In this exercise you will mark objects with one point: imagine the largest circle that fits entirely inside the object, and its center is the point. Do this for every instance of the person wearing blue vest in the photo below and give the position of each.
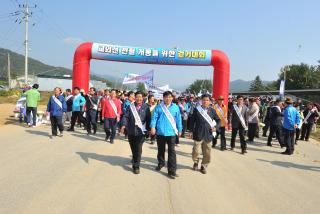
(57, 107)
(166, 122)
(291, 119)
(78, 103)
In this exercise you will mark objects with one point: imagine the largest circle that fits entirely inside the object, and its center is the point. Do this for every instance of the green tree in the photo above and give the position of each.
(200, 86)
(141, 87)
(256, 84)
(299, 76)
(302, 76)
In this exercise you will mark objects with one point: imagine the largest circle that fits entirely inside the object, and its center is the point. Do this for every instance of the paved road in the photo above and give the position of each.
(81, 174)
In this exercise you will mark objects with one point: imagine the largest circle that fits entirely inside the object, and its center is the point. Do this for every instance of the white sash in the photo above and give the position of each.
(57, 101)
(222, 114)
(137, 118)
(205, 115)
(243, 123)
(152, 107)
(253, 116)
(95, 106)
(68, 97)
(308, 115)
(113, 106)
(170, 117)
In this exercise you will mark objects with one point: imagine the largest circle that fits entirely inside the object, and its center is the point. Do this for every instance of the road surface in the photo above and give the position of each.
(83, 174)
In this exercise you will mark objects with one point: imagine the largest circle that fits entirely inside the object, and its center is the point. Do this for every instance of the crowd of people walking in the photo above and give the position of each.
(139, 117)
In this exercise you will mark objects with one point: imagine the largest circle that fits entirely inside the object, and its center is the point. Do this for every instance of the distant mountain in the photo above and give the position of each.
(35, 66)
(242, 85)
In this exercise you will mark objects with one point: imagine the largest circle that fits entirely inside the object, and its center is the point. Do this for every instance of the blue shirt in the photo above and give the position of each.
(291, 117)
(161, 122)
(54, 108)
(78, 101)
(125, 106)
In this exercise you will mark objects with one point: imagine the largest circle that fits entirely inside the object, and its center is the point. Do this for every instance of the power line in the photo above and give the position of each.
(23, 13)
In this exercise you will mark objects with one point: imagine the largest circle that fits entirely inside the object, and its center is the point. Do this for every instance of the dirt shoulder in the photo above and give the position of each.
(7, 115)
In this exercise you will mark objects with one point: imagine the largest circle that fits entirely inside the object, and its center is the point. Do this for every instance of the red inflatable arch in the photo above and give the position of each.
(87, 51)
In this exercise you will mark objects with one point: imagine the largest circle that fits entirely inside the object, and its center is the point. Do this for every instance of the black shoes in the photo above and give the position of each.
(107, 138)
(203, 170)
(111, 141)
(269, 144)
(136, 171)
(70, 130)
(172, 175)
(286, 153)
(158, 168)
(195, 166)
(243, 151)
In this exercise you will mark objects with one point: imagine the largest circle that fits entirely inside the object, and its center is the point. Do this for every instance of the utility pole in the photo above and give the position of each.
(9, 75)
(27, 13)
(26, 19)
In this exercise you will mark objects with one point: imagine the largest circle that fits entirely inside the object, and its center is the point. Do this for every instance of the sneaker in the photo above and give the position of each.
(61, 134)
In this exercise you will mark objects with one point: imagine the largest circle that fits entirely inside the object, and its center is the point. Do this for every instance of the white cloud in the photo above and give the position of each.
(72, 41)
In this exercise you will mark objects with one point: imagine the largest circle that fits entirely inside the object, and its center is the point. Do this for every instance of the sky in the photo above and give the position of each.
(258, 36)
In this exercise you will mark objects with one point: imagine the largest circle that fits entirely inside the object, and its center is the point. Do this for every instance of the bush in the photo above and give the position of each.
(7, 93)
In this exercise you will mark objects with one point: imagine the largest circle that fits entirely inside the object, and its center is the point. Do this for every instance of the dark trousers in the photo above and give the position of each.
(56, 122)
(222, 133)
(266, 128)
(91, 116)
(274, 129)
(298, 131)
(241, 135)
(184, 127)
(136, 143)
(34, 115)
(257, 130)
(289, 140)
(177, 139)
(305, 131)
(172, 159)
(252, 129)
(110, 127)
(77, 116)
